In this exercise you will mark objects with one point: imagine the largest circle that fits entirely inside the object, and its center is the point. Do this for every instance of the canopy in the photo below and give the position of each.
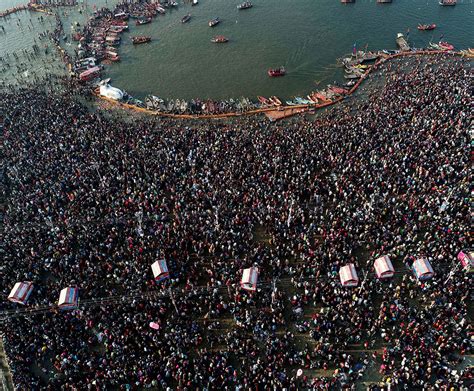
(111, 92)
(466, 257)
(249, 279)
(160, 270)
(383, 267)
(422, 269)
(21, 292)
(68, 298)
(348, 275)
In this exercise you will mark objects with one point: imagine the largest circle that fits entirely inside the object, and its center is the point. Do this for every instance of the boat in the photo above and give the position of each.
(352, 76)
(276, 72)
(275, 101)
(402, 42)
(195, 2)
(447, 2)
(290, 103)
(173, 3)
(263, 100)
(245, 5)
(424, 27)
(90, 74)
(219, 39)
(214, 22)
(141, 22)
(445, 46)
(186, 18)
(140, 39)
(338, 90)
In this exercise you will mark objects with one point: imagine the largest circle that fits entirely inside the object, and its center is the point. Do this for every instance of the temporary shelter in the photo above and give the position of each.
(21, 292)
(68, 298)
(110, 92)
(160, 270)
(422, 269)
(249, 279)
(348, 275)
(466, 257)
(383, 267)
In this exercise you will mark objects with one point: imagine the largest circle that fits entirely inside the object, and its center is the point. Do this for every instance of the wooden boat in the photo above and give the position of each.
(214, 22)
(277, 72)
(140, 39)
(445, 46)
(219, 39)
(186, 18)
(425, 27)
(141, 22)
(245, 5)
(263, 100)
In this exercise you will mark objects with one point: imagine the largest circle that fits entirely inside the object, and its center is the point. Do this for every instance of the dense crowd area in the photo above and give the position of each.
(92, 201)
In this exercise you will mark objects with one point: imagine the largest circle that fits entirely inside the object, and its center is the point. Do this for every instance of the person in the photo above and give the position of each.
(92, 200)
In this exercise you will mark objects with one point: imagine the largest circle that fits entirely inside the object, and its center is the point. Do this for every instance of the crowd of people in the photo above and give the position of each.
(92, 201)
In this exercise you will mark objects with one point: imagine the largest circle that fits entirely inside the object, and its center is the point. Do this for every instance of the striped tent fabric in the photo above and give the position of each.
(422, 269)
(348, 275)
(21, 292)
(383, 267)
(249, 279)
(160, 270)
(68, 298)
(466, 257)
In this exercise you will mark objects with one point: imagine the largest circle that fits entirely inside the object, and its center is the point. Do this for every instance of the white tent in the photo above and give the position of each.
(110, 92)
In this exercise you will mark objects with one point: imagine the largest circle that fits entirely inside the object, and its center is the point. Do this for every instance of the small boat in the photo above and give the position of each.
(402, 43)
(424, 27)
(275, 101)
(352, 76)
(214, 22)
(290, 103)
(141, 22)
(445, 46)
(186, 18)
(173, 3)
(245, 5)
(263, 100)
(140, 39)
(276, 72)
(160, 10)
(447, 2)
(338, 90)
(195, 2)
(219, 39)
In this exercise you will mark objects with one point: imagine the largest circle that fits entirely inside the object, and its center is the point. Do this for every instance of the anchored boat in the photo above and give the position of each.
(140, 39)
(424, 27)
(245, 5)
(277, 72)
(219, 39)
(186, 18)
(214, 22)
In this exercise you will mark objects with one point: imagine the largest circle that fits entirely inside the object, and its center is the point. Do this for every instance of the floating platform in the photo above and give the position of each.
(402, 43)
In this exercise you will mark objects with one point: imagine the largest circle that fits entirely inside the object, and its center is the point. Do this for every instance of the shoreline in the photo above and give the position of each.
(283, 108)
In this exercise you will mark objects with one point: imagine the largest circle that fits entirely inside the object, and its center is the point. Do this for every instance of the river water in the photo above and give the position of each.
(306, 36)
